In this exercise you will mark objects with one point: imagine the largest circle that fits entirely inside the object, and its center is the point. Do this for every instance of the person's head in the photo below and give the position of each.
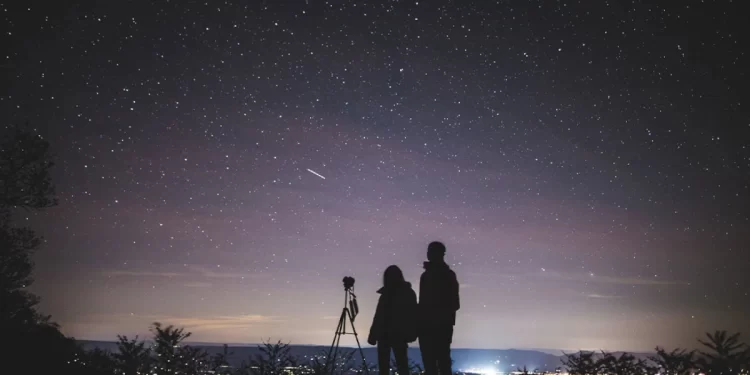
(435, 251)
(393, 276)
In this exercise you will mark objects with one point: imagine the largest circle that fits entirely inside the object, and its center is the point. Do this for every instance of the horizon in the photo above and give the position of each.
(221, 167)
(411, 346)
(556, 352)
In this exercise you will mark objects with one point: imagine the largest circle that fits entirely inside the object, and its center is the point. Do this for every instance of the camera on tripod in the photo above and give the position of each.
(348, 282)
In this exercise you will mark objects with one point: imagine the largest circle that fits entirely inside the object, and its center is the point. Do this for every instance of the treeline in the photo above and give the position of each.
(724, 354)
(168, 354)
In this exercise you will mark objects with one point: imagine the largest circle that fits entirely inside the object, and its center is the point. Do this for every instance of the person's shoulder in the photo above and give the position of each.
(447, 271)
(451, 274)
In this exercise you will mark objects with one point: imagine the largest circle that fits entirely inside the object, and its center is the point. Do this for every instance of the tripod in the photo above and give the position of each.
(349, 312)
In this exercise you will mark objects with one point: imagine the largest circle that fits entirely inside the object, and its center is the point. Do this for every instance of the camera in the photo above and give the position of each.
(348, 282)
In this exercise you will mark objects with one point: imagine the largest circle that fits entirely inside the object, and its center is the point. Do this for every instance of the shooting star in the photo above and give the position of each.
(315, 173)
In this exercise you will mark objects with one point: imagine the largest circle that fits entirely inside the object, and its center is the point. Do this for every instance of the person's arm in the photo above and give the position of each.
(412, 300)
(455, 300)
(412, 310)
(377, 321)
(421, 312)
(422, 293)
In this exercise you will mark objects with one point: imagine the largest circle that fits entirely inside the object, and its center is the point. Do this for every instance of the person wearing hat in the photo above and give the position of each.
(438, 303)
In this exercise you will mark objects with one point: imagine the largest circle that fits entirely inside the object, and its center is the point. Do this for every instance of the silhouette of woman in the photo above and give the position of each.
(394, 324)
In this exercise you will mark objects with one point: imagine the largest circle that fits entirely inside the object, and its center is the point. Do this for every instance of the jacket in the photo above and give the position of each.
(438, 295)
(395, 315)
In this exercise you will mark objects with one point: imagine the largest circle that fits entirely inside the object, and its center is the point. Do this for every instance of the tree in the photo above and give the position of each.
(676, 362)
(132, 357)
(343, 363)
(582, 363)
(171, 356)
(317, 364)
(274, 359)
(525, 371)
(624, 364)
(192, 360)
(25, 185)
(25, 163)
(96, 362)
(219, 362)
(727, 356)
(346, 361)
(353, 360)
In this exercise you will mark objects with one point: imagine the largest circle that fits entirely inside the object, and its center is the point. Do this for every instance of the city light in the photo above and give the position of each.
(483, 371)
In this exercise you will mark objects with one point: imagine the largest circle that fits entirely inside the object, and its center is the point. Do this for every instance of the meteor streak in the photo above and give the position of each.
(315, 173)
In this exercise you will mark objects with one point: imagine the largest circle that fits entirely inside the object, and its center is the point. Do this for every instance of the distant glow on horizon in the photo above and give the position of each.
(484, 371)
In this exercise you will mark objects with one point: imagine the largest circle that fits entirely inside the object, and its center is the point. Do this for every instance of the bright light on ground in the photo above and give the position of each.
(484, 371)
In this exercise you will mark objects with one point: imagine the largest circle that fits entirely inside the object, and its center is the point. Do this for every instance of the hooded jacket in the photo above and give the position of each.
(438, 295)
(395, 315)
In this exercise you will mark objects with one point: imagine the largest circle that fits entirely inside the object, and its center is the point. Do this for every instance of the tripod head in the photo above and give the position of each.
(348, 283)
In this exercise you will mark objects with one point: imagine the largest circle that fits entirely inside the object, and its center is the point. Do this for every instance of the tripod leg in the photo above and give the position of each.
(333, 343)
(333, 351)
(335, 355)
(361, 352)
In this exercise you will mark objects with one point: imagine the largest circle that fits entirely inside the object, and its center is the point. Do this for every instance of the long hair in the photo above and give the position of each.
(393, 276)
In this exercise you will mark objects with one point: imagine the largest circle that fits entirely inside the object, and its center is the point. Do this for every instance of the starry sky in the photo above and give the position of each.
(222, 165)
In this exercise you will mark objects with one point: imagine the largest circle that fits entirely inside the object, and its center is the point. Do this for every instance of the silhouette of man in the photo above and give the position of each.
(438, 303)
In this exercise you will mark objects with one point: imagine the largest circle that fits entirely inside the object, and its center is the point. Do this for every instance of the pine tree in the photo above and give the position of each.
(727, 354)
(167, 341)
(274, 359)
(96, 362)
(582, 363)
(676, 362)
(132, 357)
(219, 362)
(624, 364)
(25, 185)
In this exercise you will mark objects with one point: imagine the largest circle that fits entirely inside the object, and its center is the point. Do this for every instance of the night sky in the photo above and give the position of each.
(222, 166)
